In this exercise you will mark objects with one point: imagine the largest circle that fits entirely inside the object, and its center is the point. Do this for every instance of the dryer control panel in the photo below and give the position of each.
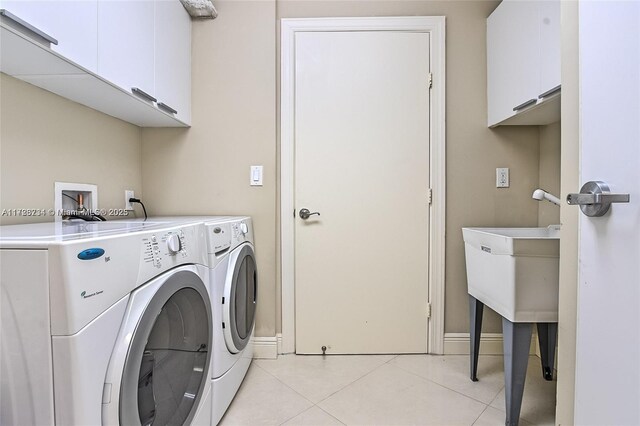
(241, 231)
(225, 235)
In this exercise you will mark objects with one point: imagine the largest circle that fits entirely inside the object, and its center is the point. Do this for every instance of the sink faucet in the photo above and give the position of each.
(540, 194)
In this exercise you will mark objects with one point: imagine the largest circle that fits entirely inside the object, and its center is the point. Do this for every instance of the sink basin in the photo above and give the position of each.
(514, 271)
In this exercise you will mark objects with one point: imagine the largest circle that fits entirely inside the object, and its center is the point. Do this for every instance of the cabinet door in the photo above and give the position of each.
(173, 58)
(549, 22)
(512, 57)
(126, 43)
(73, 23)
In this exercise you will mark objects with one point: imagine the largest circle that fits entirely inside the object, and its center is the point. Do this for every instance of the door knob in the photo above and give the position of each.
(305, 214)
(595, 199)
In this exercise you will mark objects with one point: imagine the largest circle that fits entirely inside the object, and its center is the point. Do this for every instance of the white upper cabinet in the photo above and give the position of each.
(72, 23)
(523, 62)
(549, 45)
(130, 59)
(126, 44)
(173, 58)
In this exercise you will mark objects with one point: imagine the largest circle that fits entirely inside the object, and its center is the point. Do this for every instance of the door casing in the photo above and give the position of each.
(435, 26)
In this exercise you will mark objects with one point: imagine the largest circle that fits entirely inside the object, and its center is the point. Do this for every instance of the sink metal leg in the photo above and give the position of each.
(475, 325)
(517, 341)
(547, 335)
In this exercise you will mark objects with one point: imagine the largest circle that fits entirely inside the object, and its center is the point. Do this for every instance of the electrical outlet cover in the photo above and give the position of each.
(502, 177)
(128, 193)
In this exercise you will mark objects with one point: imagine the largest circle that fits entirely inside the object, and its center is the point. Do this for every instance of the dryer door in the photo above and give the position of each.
(240, 296)
(164, 367)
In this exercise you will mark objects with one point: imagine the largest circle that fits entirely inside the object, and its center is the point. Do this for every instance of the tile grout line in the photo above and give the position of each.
(486, 405)
(352, 382)
(307, 399)
(330, 415)
(367, 374)
(289, 387)
(480, 415)
(333, 393)
(298, 393)
(319, 408)
(291, 418)
(392, 358)
(445, 387)
(343, 388)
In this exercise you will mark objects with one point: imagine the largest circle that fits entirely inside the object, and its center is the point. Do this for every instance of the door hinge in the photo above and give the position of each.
(428, 310)
(430, 196)
(430, 80)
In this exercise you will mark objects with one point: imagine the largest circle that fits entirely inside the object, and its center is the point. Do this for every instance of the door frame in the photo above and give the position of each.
(435, 26)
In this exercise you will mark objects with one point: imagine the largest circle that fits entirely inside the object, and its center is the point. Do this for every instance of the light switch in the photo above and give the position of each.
(502, 177)
(255, 178)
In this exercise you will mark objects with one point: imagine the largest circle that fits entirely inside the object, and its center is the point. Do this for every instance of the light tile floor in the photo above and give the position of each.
(384, 390)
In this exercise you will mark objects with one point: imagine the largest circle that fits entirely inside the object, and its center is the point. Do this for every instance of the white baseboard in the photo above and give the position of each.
(454, 344)
(490, 344)
(265, 347)
(279, 339)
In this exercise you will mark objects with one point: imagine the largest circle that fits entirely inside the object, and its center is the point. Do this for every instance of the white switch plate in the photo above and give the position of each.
(255, 176)
(502, 177)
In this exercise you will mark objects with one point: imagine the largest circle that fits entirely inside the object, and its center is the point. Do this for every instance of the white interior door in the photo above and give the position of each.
(608, 340)
(361, 161)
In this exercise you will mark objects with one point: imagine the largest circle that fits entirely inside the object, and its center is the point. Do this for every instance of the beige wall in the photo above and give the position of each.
(548, 213)
(234, 105)
(45, 138)
(205, 169)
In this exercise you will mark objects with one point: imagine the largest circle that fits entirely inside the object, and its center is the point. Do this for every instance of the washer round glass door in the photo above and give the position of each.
(166, 367)
(239, 305)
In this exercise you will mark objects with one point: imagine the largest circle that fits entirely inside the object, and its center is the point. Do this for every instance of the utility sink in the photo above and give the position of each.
(514, 271)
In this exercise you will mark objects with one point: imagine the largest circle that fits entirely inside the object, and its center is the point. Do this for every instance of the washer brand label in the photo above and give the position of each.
(485, 248)
(84, 294)
(89, 254)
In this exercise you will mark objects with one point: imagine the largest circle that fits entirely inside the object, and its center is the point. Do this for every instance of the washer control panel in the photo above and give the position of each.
(163, 248)
(174, 245)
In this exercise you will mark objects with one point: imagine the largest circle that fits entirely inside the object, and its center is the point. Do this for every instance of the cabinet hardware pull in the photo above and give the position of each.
(550, 92)
(27, 26)
(166, 108)
(143, 94)
(525, 104)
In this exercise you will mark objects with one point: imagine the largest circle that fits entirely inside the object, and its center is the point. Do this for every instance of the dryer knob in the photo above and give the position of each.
(244, 228)
(173, 244)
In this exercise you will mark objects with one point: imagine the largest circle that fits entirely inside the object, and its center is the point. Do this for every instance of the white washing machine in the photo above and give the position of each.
(105, 323)
(233, 279)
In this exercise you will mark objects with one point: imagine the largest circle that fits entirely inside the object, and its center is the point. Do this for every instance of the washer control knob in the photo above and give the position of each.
(244, 228)
(173, 244)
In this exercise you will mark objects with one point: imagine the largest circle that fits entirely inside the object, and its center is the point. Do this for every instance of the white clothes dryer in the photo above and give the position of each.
(105, 323)
(234, 287)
